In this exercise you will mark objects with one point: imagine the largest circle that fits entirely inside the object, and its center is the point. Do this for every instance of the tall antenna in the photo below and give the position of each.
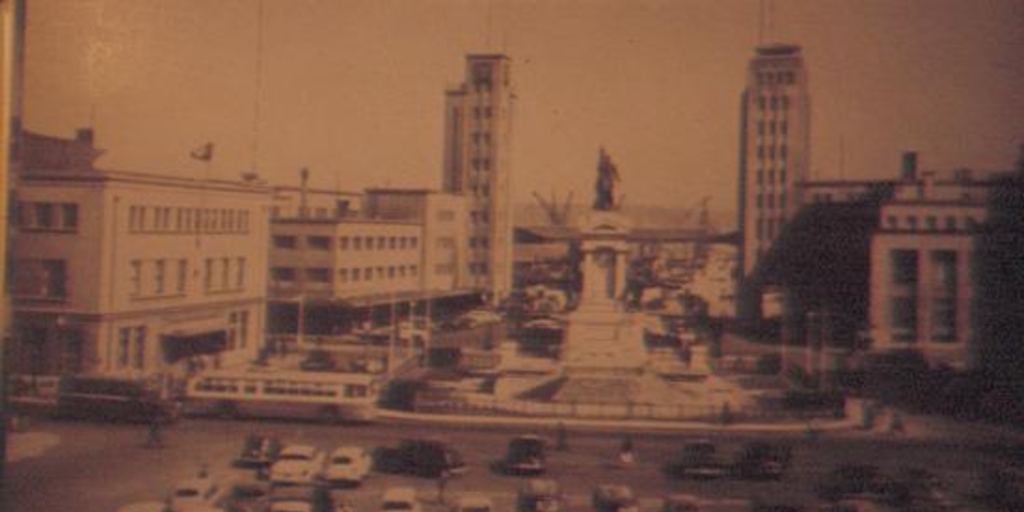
(258, 86)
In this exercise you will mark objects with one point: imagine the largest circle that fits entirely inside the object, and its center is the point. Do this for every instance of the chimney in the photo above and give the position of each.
(909, 170)
(304, 182)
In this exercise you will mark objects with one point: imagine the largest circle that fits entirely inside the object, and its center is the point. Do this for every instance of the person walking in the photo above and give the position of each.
(156, 436)
(626, 456)
(442, 484)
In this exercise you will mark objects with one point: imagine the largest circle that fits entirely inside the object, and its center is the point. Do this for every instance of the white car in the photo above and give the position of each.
(195, 494)
(297, 464)
(474, 502)
(400, 499)
(347, 465)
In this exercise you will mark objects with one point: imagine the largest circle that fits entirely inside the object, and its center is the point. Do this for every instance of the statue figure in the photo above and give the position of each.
(607, 175)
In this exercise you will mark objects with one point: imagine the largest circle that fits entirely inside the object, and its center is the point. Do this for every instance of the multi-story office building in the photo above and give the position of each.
(131, 272)
(922, 259)
(477, 164)
(774, 130)
(404, 246)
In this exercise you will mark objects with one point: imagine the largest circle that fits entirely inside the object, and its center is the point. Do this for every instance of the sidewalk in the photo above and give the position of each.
(25, 445)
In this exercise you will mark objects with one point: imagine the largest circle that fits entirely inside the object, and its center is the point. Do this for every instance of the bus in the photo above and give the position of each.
(334, 397)
(113, 398)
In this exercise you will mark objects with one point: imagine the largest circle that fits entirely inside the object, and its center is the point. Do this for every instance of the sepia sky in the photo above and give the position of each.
(353, 89)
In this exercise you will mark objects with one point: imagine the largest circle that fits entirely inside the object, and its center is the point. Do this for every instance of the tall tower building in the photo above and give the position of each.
(774, 150)
(477, 164)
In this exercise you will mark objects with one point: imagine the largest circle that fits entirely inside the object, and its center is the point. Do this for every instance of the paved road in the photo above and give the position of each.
(99, 467)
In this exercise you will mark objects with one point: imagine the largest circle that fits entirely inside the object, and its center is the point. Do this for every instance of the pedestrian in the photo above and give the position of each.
(442, 483)
(561, 437)
(156, 437)
(626, 455)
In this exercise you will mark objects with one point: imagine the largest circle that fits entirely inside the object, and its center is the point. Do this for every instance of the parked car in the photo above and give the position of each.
(524, 456)
(318, 361)
(761, 460)
(680, 503)
(849, 481)
(419, 457)
(258, 451)
(614, 498)
(400, 499)
(698, 459)
(304, 499)
(473, 502)
(297, 464)
(540, 495)
(347, 465)
(195, 494)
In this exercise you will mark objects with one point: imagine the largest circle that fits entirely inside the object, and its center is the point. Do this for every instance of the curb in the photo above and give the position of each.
(616, 425)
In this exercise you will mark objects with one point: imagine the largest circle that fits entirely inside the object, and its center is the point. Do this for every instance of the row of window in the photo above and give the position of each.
(219, 274)
(479, 217)
(766, 228)
(187, 220)
(782, 126)
(769, 200)
(776, 77)
(40, 279)
(773, 102)
(905, 266)
(771, 175)
(770, 151)
(478, 269)
(482, 242)
(931, 223)
(323, 275)
(45, 216)
(355, 243)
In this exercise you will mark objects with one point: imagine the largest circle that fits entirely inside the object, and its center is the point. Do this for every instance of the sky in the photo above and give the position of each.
(354, 89)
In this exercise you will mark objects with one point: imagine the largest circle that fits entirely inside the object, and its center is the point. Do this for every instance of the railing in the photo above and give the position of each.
(453, 403)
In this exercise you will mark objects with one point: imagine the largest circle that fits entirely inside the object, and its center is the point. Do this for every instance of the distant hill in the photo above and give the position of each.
(646, 216)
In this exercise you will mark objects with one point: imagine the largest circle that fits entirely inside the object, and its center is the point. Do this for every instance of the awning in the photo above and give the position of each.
(180, 346)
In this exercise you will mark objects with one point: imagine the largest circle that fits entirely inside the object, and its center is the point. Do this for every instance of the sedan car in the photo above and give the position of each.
(195, 494)
(297, 464)
(347, 465)
(614, 498)
(400, 499)
(473, 502)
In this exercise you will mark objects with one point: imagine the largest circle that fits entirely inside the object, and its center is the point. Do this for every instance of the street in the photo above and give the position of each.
(100, 467)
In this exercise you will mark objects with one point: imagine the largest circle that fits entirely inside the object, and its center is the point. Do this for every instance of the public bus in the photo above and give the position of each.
(326, 396)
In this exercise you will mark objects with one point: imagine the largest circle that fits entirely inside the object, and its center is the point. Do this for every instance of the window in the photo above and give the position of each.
(912, 223)
(240, 273)
(931, 223)
(392, 243)
(343, 243)
(380, 272)
(904, 267)
(208, 274)
(319, 243)
(368, 242)
(225, 266)
(44, 216)
(368, 273)
(412, 242)
(944, 273)
(892, 222)
(139, 353)
(904, 319)
(159, 274)
(69, 216)
(357, 243)
(355, 274)
(124, 342)
(381, 243)
(760, 176)
(182, 275)
(40, 279)
(135, 278)
(318, 275)
(413, 270)
(391, 272)
(343, 275)
(784, 127)
(284, 242)
(283, 274)
(950, 223)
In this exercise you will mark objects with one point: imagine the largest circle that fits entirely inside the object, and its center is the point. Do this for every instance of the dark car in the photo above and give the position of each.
(318, 361)
(762, 461)
(419, 457)
(698, 459)
(525, 456)
(614, 498)
(857, 481)
(258, 451)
